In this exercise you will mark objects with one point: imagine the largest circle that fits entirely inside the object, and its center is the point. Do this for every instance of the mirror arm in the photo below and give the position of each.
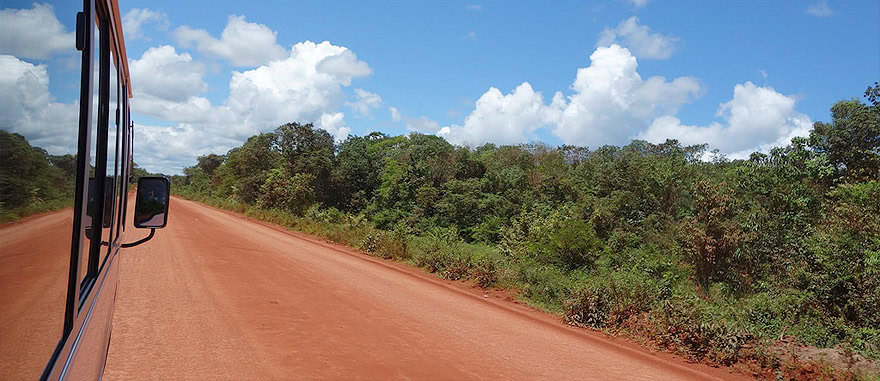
(135, 243)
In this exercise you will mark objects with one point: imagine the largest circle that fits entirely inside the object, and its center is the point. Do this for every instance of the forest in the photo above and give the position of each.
(694, 252)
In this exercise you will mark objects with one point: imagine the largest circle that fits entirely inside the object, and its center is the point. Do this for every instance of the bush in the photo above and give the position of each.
(281, 190)
(385, 245)
(485, 272)
(456, 266)
(686, 323)
(610, 299)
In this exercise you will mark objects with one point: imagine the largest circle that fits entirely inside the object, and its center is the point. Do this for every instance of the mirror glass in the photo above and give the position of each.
(151, 208)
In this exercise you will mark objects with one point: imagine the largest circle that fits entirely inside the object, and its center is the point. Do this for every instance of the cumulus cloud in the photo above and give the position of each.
(301, 87)
(241, 43)
(473, 7)
(166, 149)
(505, 118)
(395, 114)
(639, 38)
(365, 102)
(306, 86)
(166, 74)
(611, 101)
(334, 124)
(27, 107)
(609, 105)
(756, 119)
(819, 9)
(33, 33)
(135, 19)
(422, 124)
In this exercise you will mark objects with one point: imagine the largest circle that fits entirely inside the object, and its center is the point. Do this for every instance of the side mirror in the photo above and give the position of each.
(151, 206)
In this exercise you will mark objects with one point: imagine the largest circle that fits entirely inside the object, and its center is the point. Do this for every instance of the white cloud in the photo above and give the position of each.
(135, 19)
(301, 87)
(241, 43)
(33, 33)
(611, 100)
(639, 38)
(472, 36)
(366, 101)
(306, 87)
(636, 3)
(163, 73)
(505, 119)
(334, 123)
(166, 149)
(27, 107)
(756, 119)
(422, 124)
(610, 104)
(395, 114)
(819, 9)
(474, 7)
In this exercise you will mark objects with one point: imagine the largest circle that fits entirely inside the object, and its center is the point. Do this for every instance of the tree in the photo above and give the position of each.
(306, 149)
(26, 175)
(246, 167)
(358, 170)
(852, 139)
(209, 163)
(281, 190)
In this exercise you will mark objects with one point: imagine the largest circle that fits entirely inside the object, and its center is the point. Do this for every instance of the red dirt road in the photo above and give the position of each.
(214, 295)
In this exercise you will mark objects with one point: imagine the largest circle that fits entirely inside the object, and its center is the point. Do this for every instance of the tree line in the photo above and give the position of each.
(33, 181)
(722, 251)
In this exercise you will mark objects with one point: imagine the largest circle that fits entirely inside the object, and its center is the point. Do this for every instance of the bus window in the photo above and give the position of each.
(93, 144)
(111, 194)
(39, 127)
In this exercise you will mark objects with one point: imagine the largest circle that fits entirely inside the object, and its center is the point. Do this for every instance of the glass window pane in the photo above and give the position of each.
(111, 190)
(87, 221)
(39, 111)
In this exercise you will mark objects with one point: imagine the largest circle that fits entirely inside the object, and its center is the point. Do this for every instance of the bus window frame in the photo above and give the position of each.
(103, 90)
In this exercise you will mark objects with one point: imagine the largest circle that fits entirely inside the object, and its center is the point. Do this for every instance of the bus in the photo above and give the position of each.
(66, 141)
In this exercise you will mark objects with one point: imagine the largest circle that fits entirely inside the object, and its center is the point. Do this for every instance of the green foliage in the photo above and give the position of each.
(703, 253)
(688, 323)
(609, 299)
(712, 236)
(852, 139)
(31, 180)
(281, 190)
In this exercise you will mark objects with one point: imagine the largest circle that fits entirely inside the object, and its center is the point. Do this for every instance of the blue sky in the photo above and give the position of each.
(742, 76)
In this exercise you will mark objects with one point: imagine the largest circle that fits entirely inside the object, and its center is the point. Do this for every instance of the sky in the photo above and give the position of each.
(742, 76)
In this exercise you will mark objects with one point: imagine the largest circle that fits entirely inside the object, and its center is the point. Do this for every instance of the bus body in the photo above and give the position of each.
(59, 270)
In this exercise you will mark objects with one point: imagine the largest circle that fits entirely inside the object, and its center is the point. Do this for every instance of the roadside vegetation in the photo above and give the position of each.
(722, 261)
(32, 181)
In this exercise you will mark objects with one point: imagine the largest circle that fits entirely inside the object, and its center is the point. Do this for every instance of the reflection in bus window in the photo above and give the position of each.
(110, 190)
(93, 144)
(39, 110)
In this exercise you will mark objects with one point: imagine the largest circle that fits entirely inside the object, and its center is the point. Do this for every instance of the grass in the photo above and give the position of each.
(15, 214)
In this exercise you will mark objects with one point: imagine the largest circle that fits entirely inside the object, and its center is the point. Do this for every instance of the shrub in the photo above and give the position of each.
(610, 299)
(384, 244)
(485, 272)
(456, 266)
(282, 190)
(686, 323)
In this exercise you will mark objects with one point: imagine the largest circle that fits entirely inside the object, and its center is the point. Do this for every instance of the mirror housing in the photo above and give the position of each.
(151, 205)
